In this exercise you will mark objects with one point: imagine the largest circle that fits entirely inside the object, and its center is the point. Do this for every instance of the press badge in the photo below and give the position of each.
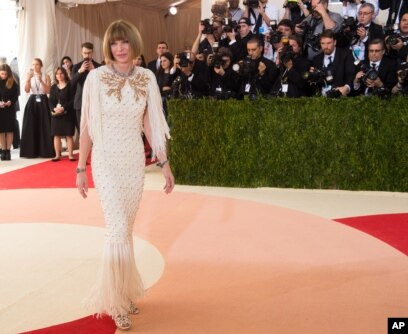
(37, 98)
(285, 88)
(247, 88)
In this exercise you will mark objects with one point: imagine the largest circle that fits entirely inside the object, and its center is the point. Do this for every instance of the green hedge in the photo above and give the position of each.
(351, 143)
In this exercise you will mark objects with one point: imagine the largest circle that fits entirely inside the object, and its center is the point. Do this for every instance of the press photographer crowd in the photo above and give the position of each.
(309, 51)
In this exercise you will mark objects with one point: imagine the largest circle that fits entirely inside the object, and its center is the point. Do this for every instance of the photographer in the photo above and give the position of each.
(260, 14)
(238, 44)
(258, 74)
(212, 32)
(80, 72)
(296, 10)
(285, 28)
(377, 72)
(193, 81)
(321, 19)
(292, 65)
(359, 33)
(397, 42)
(224, 81)
(351, 7)
(337, 64)
(402, 85)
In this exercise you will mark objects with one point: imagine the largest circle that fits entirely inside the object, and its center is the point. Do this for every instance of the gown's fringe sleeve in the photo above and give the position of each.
(159, 129)
(90, 110)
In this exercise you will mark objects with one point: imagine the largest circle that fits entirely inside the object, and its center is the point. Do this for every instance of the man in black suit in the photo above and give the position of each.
(337, 62)
(398, 48)
(367, 31)
(397, 8)
(291, 82)
(79, 73)
(384, 69)
(261, 72)
(238, 43)
(154, 65)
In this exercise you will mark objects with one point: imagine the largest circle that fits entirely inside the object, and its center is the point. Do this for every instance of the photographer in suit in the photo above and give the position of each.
(79, 73)
(292, 65)
(378, 71)
(397, 43)
(337, 65)
(258, 74)
(367, 30)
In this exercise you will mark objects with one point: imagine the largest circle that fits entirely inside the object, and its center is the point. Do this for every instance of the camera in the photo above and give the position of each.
(311, 40)
(230, 26)
(349, 24)
(251, 3)
(275, 37)
(286, 54)
(403, 71)
(216, 60)
(369, 73)
(318, 76)
(333, 93)
(184, 58)
(246, 67)
(208, 27)
(274, 25)
(392, 35)
(292, 5)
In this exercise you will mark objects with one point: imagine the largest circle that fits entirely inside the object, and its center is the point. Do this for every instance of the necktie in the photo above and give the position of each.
(374, 66)
(330, 61)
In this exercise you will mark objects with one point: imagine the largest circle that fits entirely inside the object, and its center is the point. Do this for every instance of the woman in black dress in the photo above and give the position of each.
(36, 140)
(8, 99)
(62, 120)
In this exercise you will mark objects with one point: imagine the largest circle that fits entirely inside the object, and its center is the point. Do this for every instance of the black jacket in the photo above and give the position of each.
(77, 82)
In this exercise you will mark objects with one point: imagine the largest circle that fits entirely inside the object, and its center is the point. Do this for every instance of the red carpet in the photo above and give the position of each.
(390, 228)
(46, 174)
(86, 325)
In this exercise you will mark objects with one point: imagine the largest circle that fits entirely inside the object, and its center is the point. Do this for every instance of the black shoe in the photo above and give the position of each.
(8, 155)
(3, 155)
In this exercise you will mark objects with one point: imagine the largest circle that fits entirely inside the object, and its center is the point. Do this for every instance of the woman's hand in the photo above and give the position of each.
(82, 184)
(169, 178)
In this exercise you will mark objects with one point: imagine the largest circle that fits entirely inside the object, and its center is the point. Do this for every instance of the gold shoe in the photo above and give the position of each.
(133, 309)
(122, 321)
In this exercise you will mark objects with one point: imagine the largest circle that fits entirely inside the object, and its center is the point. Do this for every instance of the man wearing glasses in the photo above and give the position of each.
(378, 72)
(367, 31)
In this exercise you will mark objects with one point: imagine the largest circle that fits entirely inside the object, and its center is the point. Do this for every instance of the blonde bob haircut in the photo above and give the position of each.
(121, 30)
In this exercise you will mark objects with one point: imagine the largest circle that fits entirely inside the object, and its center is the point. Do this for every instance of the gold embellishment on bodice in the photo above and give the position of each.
(116, 83)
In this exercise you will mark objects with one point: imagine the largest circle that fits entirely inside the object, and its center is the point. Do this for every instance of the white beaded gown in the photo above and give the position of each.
(113, 110)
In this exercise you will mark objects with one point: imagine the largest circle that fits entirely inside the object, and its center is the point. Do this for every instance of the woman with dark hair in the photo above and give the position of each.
(67, 63)
(140, 61)
(62, 120)
(8, 99)
(36, 140)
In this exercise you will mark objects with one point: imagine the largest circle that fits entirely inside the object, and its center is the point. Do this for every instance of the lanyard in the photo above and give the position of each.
(37, 85)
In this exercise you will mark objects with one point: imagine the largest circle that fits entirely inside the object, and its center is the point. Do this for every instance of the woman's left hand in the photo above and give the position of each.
(169, 178)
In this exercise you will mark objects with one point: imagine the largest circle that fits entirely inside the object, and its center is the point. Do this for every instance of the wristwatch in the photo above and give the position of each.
(80, 170)
(161, 164)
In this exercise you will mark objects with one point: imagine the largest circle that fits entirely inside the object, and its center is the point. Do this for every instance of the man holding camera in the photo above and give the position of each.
(377, 72)
(194, 78)
(260, 14)
(258, 74)
(296, 10)
(397, 43)
(238, 43)
(224, 81)
(337, 65)
(79, 73)
(291, 82)
(367, 30)
(321, 19)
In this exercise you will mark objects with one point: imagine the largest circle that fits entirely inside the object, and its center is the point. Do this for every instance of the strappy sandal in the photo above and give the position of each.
(122, 321)
(133, 309)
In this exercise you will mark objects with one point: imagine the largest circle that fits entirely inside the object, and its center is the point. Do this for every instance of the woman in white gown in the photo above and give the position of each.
(120, 101)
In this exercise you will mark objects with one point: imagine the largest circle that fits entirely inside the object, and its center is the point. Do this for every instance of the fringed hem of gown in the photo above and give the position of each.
(119, 282)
